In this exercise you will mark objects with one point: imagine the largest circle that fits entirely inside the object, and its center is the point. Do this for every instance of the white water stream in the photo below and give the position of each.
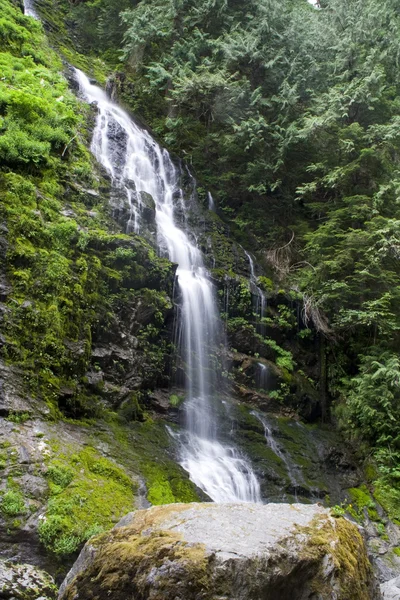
(262, 378)
(276, 450)
(137, 164)
(261, 301)
(211, 203)
(29, 9)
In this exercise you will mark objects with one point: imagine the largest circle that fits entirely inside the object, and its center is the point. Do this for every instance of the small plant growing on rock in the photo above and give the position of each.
(12, 503)
(18, 417)
(175, 400)
(338, 511)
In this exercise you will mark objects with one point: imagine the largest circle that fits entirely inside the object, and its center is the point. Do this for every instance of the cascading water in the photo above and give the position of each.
(262, 378)
(276, 450)
(137, 164)
(211, 203)
(29, 9)
(261, 301)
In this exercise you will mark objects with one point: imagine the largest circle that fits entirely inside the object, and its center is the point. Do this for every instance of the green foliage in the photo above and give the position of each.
(280, 393)
(88, 493)
(18, 417)
(387, 493)
(338, 511)
(372, 407)
(12, 503)
(284, 357)
(98, 23)
(290, 114)
(175, 400)
(361, 503)
(67, 273)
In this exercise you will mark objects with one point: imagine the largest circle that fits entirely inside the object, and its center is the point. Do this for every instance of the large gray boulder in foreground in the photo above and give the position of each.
(225, 552)
(391, 589)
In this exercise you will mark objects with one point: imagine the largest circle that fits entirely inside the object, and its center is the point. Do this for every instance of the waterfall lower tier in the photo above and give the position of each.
(136, 165)
(295, 483)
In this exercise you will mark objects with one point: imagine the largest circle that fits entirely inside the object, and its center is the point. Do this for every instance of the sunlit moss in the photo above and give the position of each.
(88, 494)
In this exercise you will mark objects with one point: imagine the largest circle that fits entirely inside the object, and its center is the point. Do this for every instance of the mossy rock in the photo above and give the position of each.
(25, 582)
(235, 551)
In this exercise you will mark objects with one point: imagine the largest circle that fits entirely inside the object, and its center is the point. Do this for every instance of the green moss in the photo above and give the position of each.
(165, 487)
(175, 400)
(159, 488)
(361, 500)
(370, 472)
(12, 503)
(388, 497)
(88, 493)
(165, 480)
(18, 417)
(341, 540)
(59, 474)
(127, 550)
(397, 551)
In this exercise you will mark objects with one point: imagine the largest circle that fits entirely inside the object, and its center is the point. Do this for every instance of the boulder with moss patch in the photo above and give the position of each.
(236, 551)
(24, 582)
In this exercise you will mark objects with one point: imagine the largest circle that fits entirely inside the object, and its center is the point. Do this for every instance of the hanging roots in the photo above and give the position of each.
(281, 258)
(312, 314)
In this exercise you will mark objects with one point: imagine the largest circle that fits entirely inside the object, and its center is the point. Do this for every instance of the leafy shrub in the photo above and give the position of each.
(12, 503)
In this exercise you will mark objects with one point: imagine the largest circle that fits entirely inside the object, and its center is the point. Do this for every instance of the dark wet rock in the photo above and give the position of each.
(5, 291)
(76, 348)
(33, 485)
(294, 460)
(148, 208)
(94, 378)
(120, 207)
(159, 400)
(13, 396)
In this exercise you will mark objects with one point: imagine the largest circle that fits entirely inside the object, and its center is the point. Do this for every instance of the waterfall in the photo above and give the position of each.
(261, 302)
(277, 451)
(211, 203)
(137, 164)
(262, 378)
(29, 9)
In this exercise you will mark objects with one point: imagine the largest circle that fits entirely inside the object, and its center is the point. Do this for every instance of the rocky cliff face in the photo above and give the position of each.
(235, 551)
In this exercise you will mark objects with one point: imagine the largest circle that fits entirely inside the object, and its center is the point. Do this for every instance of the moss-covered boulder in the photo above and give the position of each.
(235, 551)
(25, 582)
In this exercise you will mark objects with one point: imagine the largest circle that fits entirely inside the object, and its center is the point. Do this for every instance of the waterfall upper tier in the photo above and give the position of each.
(137, 164)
